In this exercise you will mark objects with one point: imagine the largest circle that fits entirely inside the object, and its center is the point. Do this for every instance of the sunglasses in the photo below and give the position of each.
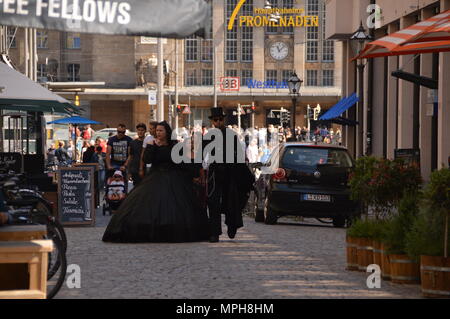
(121, 132)
(217, 119)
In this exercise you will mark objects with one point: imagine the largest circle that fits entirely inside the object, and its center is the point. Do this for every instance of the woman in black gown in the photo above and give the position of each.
(163, 208)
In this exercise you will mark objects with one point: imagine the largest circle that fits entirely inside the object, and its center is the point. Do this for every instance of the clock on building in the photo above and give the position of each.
(279, 51)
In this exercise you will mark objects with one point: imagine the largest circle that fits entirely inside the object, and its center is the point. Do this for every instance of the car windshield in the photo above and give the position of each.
(312, 157)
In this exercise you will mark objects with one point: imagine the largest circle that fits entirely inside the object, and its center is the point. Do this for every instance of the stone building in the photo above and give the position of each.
(262, 57)
(398, 114)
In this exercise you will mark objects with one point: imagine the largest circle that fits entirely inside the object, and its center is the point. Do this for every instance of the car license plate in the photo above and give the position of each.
(317, 198)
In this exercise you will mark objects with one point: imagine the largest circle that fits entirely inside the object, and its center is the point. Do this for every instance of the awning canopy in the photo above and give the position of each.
(20, 93)
(431, 35)
(336, 111)
(74, 120)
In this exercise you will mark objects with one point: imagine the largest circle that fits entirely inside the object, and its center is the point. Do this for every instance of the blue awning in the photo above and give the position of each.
(342, 106)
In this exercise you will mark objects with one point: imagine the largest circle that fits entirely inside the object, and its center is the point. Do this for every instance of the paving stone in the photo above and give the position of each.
(288, 260)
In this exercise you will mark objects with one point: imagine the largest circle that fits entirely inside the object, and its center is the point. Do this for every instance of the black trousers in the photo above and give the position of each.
(216, 202)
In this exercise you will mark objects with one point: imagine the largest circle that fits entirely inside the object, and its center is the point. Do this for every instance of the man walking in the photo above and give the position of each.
(135, 153)
(229, 183)
(118, 153)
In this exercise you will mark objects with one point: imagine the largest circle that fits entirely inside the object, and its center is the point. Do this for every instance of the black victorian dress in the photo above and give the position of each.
(163, 208)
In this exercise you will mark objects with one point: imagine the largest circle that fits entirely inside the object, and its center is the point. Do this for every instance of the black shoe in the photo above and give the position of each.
(214, 239)
(232, 233)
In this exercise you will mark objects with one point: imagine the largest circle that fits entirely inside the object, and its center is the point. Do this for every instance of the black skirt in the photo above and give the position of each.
(163, 208)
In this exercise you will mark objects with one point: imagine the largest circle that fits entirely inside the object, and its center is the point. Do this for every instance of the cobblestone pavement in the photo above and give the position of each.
(288, 260)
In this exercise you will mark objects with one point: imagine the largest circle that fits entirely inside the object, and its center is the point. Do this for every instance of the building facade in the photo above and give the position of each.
(262, 56)
(397, 114)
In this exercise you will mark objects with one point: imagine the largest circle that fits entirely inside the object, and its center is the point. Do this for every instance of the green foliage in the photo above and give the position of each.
(367, 228)
(427, 236)
(401, 224)
(381, 183)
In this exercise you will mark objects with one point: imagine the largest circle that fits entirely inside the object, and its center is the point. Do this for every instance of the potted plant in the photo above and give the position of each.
(403, 269)
(359, 244)
(429, 236)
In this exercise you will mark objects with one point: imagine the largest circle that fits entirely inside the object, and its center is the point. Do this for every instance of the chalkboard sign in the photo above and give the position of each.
(76, 196)
(410, 156)
(11, 161)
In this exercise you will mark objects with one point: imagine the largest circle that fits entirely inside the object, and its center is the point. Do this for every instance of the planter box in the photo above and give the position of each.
(404, 270)
(435, 272)
(377, 253)
(352, 253)
(365, 253)
(385, 264)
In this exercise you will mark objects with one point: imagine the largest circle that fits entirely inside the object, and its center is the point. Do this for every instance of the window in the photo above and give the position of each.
(207, 50)
(73, 72)
(42, 39)
(312, 33)
(311, 78)
(207, 77)
(286, 75)
(42, 72)
(271, 75)
(312, 51)
(247, 75)
(12, 37)
(328, 77)
(73, 41)
(328, 51)
(197, 49)
(238, 40)
(231, 73)
(288, 4)
(191, 77)
(191, 48)
(327, 45)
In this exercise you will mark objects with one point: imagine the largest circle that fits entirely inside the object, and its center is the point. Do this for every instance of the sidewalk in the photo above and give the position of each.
(289, 260)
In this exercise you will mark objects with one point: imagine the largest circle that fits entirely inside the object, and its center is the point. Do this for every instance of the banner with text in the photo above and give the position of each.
(156, 18)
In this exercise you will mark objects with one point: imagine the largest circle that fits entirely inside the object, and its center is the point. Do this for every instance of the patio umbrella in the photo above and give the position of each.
(431, 35)
(75, 121)
(20, 93)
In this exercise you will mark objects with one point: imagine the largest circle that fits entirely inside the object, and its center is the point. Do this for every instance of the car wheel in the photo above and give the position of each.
(339, 222)
(270, 218)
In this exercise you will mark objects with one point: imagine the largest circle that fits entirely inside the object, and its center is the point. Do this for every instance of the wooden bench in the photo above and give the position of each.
(23, 262)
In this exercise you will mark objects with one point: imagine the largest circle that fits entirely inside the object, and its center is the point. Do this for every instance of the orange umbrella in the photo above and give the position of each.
(431, 35)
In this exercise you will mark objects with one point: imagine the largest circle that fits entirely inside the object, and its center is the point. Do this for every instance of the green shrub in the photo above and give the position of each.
(367, 228)
(397, 227)
(381, 183)
(427, 236)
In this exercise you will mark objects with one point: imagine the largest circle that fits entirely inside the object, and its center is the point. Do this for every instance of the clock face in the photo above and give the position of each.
(279, 51)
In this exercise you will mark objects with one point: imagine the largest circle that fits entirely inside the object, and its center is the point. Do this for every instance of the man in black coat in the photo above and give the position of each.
(229, 182)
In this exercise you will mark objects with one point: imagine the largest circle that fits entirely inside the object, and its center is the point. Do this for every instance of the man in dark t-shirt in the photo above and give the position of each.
(135, 153)
(118, 153)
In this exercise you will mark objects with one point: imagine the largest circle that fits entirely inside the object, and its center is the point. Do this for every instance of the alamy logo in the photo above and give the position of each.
(374, 19)
(73, 277)
(374, 280)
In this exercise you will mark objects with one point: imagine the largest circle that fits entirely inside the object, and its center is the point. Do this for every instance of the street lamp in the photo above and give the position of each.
(294, 84)
(358, 41)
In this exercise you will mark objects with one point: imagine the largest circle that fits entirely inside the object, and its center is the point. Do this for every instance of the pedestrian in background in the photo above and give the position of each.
(143, 168)
(136, 152)
(99, 157)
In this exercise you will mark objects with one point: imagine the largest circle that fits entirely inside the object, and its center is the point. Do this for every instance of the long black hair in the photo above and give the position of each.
(168, 132)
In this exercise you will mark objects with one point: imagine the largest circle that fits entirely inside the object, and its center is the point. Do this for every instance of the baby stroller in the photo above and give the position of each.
(115, 193)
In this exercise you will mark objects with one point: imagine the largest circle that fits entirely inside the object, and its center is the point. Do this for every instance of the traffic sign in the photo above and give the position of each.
(152, 97)
(187, 110)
